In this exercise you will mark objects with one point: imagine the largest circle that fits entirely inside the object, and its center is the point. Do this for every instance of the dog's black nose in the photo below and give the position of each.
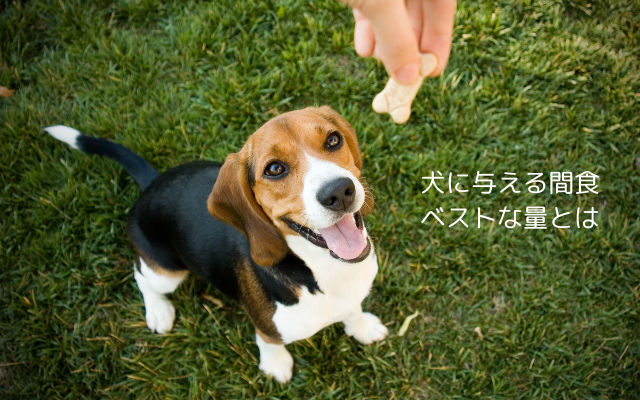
(337, 195)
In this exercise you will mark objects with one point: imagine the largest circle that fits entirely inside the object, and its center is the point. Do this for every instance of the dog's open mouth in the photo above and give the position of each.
(344, 239)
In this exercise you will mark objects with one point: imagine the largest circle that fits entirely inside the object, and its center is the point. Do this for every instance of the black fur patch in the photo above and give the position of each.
(281, 281)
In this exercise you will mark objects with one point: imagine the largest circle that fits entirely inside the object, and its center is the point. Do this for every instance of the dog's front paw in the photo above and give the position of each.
(277, 364)
(160, 314)
(366, 329)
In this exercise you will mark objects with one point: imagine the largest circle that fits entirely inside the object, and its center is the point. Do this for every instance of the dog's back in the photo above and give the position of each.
(170, 225)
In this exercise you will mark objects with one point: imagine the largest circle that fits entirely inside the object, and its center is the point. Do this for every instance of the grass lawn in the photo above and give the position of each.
(531, 87)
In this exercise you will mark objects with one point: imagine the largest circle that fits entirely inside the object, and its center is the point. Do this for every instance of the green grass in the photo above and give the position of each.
(530, 87)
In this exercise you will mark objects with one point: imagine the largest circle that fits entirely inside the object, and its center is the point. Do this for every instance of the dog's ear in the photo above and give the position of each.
(232, 201)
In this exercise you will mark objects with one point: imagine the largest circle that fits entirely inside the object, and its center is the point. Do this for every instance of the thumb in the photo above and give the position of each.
(396, 43)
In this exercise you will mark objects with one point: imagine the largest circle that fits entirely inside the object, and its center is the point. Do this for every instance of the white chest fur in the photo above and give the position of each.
(344, 286)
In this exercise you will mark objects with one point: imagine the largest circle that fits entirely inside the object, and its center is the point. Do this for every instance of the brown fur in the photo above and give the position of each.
(268, 339)
(255, 302)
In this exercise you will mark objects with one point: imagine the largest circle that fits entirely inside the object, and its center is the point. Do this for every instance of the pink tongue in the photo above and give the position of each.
(344, 238)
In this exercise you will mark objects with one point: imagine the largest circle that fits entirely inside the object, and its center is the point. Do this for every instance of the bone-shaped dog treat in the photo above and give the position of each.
(396, 99)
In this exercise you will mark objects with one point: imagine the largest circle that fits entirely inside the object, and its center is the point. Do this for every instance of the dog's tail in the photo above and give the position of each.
(136, 166)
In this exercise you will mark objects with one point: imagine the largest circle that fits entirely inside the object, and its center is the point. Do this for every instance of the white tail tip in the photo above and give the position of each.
(64, 134)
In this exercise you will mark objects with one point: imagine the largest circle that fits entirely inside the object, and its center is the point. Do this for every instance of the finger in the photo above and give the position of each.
(363, 39)
(438, 17)
(395, 41)
(414, 10)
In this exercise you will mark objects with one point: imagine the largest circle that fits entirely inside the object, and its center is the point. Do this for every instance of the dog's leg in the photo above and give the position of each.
(153, 286)
(366, 328)
(275, 360)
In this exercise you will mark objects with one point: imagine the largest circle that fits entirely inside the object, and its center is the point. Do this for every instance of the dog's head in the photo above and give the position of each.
(299, 174)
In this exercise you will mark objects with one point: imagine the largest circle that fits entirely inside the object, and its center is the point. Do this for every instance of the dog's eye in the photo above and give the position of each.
(334, 140)
(274, 169)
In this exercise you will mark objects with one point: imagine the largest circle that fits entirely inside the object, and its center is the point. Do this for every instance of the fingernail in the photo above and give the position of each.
(408, 73)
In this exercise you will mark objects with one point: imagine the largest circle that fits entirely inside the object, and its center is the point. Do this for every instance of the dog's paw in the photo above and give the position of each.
(367, 329)
(278, 365)
(160, 314)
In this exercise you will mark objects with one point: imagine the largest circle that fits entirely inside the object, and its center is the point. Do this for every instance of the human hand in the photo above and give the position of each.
(397, 32)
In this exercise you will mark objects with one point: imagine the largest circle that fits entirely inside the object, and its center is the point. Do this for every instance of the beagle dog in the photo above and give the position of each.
(279, 227)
